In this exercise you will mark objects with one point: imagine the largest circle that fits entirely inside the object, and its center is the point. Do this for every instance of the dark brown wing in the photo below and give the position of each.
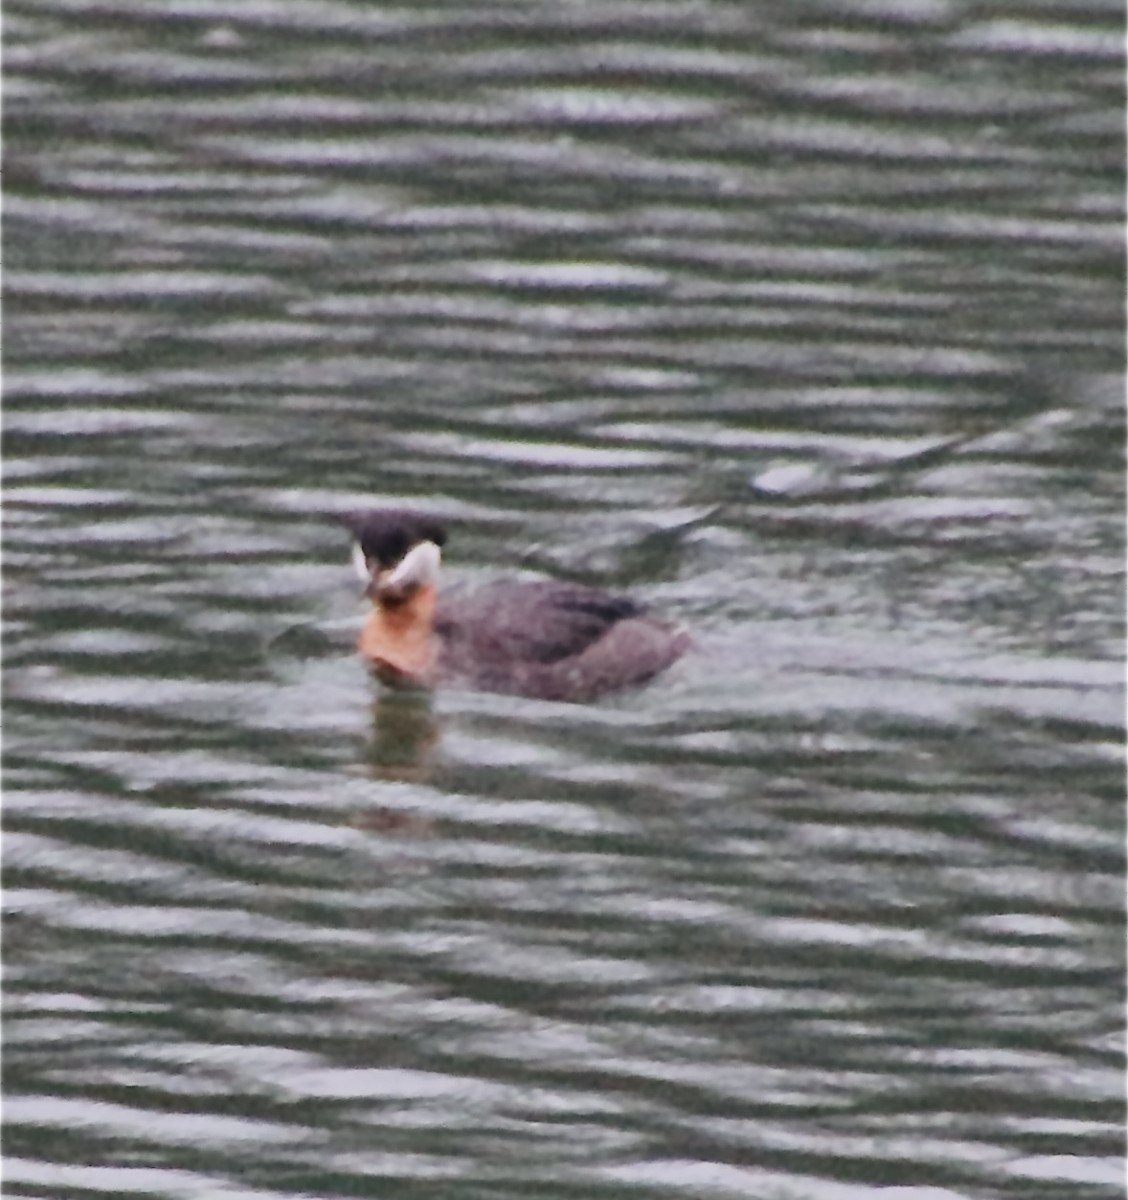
(552, 641)
(530, 622)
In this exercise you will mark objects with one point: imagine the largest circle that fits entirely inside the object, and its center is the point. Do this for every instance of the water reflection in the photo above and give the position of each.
(404, 736)
(804, 326)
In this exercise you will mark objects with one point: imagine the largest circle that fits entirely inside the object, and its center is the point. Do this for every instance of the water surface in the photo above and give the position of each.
(805, 327)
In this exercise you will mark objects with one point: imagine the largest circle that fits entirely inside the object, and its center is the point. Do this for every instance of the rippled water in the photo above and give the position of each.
(803, 323)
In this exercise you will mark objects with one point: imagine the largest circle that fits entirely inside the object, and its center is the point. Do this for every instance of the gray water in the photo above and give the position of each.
(803, 324)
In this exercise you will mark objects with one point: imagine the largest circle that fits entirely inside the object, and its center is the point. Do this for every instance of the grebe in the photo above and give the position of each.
(547, 640)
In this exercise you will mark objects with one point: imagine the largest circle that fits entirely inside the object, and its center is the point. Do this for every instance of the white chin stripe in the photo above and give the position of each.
(420, 566)
(360, 564)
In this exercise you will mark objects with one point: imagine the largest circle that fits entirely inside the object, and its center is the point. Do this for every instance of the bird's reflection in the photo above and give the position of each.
(404, 735)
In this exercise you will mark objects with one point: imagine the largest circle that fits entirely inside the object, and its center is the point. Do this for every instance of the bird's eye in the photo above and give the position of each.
(360, 564)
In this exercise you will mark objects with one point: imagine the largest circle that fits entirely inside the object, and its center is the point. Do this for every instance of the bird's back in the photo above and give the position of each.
(554, 641)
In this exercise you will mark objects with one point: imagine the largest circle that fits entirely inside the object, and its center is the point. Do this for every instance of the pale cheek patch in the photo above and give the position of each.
(419, 567)
(360, 564)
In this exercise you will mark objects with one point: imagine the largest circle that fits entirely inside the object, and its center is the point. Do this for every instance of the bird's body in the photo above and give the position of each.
(545, 639)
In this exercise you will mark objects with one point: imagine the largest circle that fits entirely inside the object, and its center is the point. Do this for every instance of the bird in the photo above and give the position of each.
(542, 639)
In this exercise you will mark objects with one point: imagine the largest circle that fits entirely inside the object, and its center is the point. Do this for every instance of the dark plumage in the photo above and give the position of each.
(387, 534)
(541, 622)
(554, 641)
